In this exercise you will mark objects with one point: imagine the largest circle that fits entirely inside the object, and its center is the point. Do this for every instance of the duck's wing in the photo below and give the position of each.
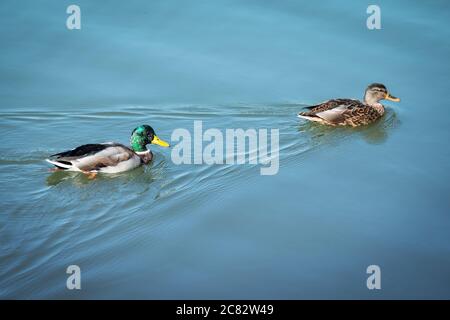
(93, 157)
(81, 151)
(334, 103)
(334, 111)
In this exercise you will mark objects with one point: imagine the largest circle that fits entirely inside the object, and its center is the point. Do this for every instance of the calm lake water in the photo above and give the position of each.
(343, 199)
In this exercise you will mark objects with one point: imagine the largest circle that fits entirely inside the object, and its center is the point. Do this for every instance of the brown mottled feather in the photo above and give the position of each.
(331, 104)
(348, 112)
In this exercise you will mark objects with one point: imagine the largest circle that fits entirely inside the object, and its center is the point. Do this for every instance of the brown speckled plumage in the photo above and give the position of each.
(350, 112)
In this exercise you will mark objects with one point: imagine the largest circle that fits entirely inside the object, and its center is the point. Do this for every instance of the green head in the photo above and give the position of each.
(144, 135)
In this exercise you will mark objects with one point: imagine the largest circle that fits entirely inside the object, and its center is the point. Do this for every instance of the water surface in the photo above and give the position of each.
(343, 198)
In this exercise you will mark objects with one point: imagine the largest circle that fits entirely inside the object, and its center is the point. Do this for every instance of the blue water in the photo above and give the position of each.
(343, 199)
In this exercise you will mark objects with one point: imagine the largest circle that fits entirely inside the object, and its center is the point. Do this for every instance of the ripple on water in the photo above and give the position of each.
(51, 216)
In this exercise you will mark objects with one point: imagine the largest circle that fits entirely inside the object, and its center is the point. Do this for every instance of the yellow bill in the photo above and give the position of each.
(392, 98)
(159, 142)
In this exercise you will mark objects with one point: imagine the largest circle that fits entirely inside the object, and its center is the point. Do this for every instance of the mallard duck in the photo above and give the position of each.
(349, 112)
(109, 157)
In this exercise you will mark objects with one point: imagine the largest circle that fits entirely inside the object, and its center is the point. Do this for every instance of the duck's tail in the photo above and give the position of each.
(307, 115)
(311, 117)
(60, 164)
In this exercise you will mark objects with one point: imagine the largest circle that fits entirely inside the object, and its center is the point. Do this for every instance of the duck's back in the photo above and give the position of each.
(103, 157)
(343, 112)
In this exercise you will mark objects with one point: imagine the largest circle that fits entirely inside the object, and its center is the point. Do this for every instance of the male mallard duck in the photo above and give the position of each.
(351, 112)
(109, 157)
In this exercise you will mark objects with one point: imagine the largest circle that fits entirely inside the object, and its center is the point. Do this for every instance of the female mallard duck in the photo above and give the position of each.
(109, 157)
(349, 112)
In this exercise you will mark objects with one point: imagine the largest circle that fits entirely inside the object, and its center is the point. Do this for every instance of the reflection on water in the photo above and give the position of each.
(59, 176)
(378, 132)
